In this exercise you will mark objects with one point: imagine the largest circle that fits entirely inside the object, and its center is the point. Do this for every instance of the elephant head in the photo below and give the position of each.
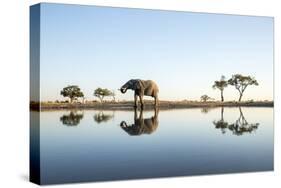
(133, 84)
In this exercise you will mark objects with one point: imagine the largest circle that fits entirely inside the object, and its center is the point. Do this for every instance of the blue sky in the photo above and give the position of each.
(182, 52)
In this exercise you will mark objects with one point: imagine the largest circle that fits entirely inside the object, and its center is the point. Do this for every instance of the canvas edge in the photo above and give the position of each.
(34, 137)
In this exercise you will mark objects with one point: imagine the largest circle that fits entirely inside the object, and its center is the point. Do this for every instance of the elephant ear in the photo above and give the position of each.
(137, 85)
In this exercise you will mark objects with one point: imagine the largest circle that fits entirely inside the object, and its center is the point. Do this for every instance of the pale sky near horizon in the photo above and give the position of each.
(183, 52)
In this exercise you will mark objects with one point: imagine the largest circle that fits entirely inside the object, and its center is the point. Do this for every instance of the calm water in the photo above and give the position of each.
(93, 145)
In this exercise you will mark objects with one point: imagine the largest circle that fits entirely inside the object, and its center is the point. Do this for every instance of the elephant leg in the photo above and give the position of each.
(136, 101)
(135, 115)
(156, 111)
(141, 120)
(156, 102)
(141, 100)
(141, 114)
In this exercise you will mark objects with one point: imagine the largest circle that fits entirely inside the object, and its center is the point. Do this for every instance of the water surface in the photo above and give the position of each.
(95, 145)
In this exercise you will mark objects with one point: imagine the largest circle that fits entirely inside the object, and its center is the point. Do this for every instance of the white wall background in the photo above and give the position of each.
(14, 92)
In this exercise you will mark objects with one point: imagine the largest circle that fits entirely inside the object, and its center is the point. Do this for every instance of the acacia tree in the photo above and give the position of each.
(221, 84)
(205, 98)
(101, 93)
(72, 92)
(241, 82)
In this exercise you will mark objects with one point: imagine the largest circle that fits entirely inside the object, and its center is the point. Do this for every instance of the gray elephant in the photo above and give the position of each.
(141, 88)
(141, 125)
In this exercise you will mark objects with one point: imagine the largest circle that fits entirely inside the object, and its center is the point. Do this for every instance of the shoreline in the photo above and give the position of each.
(128, 105)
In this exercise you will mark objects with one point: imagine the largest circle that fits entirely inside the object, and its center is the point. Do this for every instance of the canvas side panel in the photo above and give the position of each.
(34, 145)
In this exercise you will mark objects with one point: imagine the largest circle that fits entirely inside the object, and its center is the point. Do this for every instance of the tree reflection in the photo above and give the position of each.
(239, 127)
(205, 110)
(141, 125)
(101, 117)
(72, 119)
(221, 124)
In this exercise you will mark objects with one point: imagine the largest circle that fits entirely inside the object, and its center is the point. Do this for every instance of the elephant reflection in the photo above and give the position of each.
(239, 127)
(72, 119)
(101, 117)
(141, 125)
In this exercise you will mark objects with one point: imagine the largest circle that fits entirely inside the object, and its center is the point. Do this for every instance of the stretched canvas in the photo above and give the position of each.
(123, 93)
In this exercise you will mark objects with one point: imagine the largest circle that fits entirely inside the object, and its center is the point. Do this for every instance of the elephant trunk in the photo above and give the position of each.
(123, 89)
(123, 124)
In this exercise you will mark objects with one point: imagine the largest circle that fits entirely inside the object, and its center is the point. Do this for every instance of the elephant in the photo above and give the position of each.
(141, 126)
(141, 88)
